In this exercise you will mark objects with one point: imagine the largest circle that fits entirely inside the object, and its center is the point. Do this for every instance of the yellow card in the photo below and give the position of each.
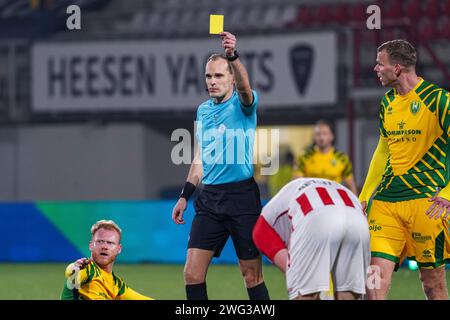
(215, 23)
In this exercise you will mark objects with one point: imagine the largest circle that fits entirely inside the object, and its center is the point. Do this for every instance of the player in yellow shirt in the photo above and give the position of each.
(408, 175)
(323, 161)
(93, 278)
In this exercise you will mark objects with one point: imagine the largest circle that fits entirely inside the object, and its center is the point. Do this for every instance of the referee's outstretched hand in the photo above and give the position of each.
(228, 42)
(178, 211)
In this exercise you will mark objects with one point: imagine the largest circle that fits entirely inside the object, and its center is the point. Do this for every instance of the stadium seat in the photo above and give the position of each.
(13, 9)
(394, 10)
(358, 12)
(431, 9)
(154, 21)
(288, 15)
(446, 8)
(237, 16)
(201, 3)
(200, 23)
(387, 34)
(186, 22)
(413, 9)
(324, 14)
(271, 17)
(137, 23)
(341, 14)
(428, 30)
(444, 28)
(191, 4)
(170, 23)
(254, 18)
(305, 16)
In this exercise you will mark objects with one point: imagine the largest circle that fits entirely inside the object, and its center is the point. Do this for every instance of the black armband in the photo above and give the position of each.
(188, 190)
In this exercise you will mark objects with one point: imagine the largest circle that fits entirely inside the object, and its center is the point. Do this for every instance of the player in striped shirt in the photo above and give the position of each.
(311, 228)
(93, 278)
(408, 174)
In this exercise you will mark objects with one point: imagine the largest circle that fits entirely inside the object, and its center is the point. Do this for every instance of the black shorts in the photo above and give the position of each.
(224, 210)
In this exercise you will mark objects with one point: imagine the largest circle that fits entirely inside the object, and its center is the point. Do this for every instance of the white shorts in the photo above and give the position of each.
(334, 240)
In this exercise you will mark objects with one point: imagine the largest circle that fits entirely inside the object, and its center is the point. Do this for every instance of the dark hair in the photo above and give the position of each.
(400, 52)
(324, 123)
(217, 56)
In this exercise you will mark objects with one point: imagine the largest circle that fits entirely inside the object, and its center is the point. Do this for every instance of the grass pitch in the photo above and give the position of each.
(165, 282)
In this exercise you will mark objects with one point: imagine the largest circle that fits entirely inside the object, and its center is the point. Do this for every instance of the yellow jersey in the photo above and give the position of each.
(416, 127)
(333, 165)
(94, 283)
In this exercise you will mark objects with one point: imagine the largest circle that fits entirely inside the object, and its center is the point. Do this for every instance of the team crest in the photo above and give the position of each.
(415, 106)
(333, 162)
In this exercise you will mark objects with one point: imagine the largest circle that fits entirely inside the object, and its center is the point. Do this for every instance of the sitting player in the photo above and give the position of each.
(93, 278)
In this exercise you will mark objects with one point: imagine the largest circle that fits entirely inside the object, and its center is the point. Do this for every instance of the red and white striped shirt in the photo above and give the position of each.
(289, 207)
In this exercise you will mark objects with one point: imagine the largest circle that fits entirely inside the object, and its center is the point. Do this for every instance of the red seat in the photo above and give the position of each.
(428, 31)
(444, 29)
(341, 13)
(395, 10)
(305, 16)
(446, 8)
(358, 12)
(324, 14)
(413, 9)
(431, 8)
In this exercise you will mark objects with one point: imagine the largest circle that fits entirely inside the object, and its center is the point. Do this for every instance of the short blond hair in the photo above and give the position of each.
(108, 225)
(400, 52)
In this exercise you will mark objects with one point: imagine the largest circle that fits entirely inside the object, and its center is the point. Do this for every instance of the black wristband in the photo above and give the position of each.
(188, 190)
(233, 57)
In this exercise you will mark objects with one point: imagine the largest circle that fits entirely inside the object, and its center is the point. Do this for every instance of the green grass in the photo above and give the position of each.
(45, 282)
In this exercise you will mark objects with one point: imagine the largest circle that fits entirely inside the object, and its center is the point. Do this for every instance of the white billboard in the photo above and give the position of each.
(287, 71)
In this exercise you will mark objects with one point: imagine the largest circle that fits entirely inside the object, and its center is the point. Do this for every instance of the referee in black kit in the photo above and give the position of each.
(229, 203)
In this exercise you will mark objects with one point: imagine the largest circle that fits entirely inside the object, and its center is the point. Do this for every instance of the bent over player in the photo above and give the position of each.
(311, 228)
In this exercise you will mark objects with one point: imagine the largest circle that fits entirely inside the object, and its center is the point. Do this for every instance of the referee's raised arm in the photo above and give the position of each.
(243, 87)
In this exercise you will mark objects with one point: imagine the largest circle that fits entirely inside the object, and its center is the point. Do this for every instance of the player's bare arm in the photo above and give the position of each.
(240, 73)
(194, 176)
(280, 259)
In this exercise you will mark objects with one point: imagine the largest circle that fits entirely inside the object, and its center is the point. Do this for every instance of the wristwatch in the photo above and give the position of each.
(233, 57)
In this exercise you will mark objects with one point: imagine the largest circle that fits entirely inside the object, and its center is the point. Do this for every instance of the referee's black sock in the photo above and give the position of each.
(259, 292)
(196, 291)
